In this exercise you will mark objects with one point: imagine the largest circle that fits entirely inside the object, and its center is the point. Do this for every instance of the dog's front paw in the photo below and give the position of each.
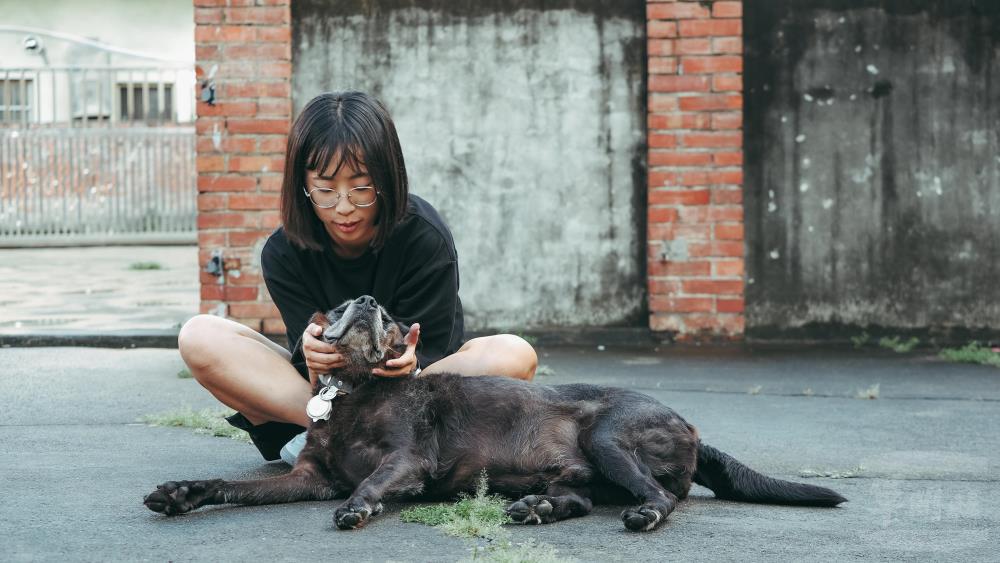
(532, 509)
(354, 514)
(178, 497)
(644, 518)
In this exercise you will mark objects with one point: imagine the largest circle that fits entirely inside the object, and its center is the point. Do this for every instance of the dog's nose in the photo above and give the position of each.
(367, 301)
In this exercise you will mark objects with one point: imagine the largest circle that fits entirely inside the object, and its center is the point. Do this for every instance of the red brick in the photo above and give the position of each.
(270, 182)
(274, 33)
(661, 29)
(270, 220)
(223, 33)
(660, 287)
(224, 220)
(711, 102)
(720, 63)
(679, 158)
(211, 239)
(241, 109)
(275, 108)
(727, 120)
(253, 310)
(724, 196)
(257, 14)
(727, 268)
(696, 268)
(246, 279)
(274, 327)
(666, 323)
(679, 83)
(662, 65)
(247, 238)
(727, 83)
(680, 197)
(660, 141)
(207, 125)
(729, 232)
(727, 9)
(716, 324)
(226, 183)
(210, 163)
(276, 69)
(676, 11)
(711, 214)
(662, 102)
(212, 292)
(258, 89)
(211, 201)
(671, 231)
(204, 52)
(712, 287)
(727, 45)
(273, 144)
(693, 178)
(240, 293)
(253, 201)
(661, 215)
(698, 46)
(726, 177)
(723, 249)
(712, 139)
(701, 28)
(660, 47)
(728, 158)
(677, 120)
(670, 304)
(729, 305)
(207, 15)
(258, 126)
(260, 51)
(256, 163)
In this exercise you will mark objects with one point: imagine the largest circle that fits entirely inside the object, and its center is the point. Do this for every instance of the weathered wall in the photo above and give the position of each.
(523, 122)
(873, 163)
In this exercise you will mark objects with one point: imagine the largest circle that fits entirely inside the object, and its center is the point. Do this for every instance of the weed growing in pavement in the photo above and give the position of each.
(896, 344)
(206, 421)
(848, 474)
(145, 266)
(870, 393)
(808, 392)
(972, 353)
(543, 370)
(755, 390)
(185, 374)
(860, 340)
(507, 552)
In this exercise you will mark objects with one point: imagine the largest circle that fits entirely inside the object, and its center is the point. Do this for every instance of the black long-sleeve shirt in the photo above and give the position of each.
(414, 276)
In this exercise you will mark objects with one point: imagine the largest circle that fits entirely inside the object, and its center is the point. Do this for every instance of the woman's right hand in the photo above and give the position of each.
(321, 357)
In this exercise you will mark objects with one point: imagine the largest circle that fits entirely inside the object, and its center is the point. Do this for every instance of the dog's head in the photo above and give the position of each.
(365, 333)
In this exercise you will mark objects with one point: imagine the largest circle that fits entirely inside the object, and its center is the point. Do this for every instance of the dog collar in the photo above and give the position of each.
(320, 407)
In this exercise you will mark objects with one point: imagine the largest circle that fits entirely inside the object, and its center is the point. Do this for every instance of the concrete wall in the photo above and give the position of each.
(873, 164)
(523, 122)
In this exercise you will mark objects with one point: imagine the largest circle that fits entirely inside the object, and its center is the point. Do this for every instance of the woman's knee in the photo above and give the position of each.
(515, 356)
(199, 341)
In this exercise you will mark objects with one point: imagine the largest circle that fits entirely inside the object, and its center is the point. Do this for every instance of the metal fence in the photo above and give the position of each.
(94, 154)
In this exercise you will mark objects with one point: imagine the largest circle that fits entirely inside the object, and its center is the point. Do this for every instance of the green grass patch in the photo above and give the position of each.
(861, 340)
(477, 516)
(206, 421)
(508, 552)
(145, 266)
(185, 374)
(972, 353)
(898, 345)
(871, 393)
(544, 370)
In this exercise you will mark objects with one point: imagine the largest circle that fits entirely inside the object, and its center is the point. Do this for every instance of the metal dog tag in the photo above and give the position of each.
(319, 409)
(327, 393)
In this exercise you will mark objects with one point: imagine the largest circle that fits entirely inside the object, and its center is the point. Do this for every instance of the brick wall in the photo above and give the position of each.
(241, 148)
(695, 213)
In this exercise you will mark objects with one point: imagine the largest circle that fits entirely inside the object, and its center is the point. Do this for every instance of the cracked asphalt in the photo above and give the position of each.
(923, 459)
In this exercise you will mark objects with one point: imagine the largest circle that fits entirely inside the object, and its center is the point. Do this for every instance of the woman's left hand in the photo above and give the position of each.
(407, 363)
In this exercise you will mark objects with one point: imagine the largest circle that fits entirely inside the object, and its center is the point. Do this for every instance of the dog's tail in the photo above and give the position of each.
(731, 480)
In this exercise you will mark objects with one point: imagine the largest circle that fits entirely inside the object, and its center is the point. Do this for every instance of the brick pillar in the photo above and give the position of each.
(695, 213)
(241, 149)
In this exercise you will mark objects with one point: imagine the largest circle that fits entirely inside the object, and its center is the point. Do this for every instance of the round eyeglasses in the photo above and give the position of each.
(362, 196)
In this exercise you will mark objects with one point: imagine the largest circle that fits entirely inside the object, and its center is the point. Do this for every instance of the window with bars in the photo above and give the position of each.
(145, 101)
(17, 100)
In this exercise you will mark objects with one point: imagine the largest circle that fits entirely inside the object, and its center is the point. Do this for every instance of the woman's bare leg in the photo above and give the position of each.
(244, 370)
(501, 354)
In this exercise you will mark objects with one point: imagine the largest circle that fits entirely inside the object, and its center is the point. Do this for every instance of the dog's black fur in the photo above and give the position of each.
(558, 448)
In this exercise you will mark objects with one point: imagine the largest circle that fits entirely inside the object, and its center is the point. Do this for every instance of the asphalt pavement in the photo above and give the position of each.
(919, 463)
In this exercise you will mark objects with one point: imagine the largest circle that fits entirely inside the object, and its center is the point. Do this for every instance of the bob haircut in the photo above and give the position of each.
(342, 128)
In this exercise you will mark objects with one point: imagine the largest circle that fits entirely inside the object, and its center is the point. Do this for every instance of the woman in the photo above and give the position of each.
(350, 228)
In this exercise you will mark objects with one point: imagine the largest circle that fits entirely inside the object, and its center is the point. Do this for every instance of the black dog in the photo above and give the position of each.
(564, 446)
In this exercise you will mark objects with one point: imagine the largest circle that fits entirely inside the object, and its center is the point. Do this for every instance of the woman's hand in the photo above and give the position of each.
(321, 357)
(407, 363)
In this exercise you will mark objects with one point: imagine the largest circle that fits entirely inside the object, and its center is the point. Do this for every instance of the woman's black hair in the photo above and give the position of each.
(356, 129)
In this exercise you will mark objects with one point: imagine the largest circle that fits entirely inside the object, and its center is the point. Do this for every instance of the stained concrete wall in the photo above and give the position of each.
(523, 122)
(873, 164)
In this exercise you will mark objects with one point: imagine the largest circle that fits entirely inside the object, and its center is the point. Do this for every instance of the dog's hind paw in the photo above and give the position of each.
(354, 514)
(178, 497)
(643, 518)
(532, 509)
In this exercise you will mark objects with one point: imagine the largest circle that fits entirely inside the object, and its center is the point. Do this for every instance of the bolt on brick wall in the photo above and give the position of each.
(695, 197)
(241, 149)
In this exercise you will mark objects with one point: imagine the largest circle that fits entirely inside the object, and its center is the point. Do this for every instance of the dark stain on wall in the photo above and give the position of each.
(873, 166)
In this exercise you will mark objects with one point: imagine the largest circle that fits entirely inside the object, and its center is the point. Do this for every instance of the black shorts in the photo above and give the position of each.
(268, 437)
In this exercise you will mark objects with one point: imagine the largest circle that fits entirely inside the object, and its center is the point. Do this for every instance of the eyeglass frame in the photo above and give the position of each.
(339, 196)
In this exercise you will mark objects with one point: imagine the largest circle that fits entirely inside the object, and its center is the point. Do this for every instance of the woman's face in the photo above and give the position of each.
(352, 228)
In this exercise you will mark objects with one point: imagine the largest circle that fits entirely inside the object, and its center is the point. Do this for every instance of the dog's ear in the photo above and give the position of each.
(320, 319)
(397, 340)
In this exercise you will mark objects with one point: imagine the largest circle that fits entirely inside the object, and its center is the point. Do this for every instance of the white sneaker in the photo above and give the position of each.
(290, 451)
